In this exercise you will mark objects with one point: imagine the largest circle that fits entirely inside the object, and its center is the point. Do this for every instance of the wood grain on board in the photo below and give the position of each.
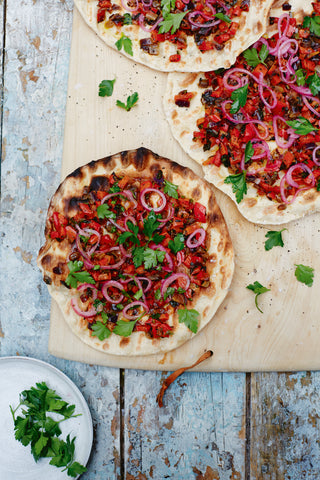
(286, 336)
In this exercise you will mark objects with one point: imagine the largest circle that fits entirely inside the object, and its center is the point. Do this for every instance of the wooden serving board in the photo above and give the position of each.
(287, 335)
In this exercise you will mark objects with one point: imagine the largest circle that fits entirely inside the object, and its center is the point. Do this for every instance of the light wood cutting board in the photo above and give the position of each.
(287, 335)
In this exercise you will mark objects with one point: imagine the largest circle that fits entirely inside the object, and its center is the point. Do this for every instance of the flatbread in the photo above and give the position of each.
(54, 255)
(252, 25)
(183, 123)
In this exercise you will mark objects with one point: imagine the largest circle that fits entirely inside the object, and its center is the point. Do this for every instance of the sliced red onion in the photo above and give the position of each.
(130, 9)
(240, 81)
(282, 191)
(114, 284)
(94, 289)
(148, 28)
(124, 253)
(169, 216)
(87, 263)
(284, 16)
(297, 166)
(129, 195)
(80, 249)
(97, 234)
(314, 156)
(88, 313)
(197, 243)
(145, 279)
(205, 16)
(307, 104)
(154, 190)
(180, 257)
(117, 225)
(133, 305)
(246, 120)
(273, 95)
(280, 142)
(172, 279)
(129, 218)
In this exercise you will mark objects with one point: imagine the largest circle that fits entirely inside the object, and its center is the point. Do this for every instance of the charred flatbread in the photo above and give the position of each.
(178, 35)
(137, 253)
(255, 127)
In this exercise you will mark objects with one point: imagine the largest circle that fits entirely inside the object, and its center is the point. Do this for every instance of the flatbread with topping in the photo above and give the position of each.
(137, 253)
(255, 126)
(178, 35)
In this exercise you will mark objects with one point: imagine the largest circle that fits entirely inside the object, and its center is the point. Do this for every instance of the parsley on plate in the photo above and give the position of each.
(258, 289)
(190, 318)
(239, 184)
(131, 102)
(239, 97)
(76, 275)
(106, 88)
(274, 239)
(304, 274)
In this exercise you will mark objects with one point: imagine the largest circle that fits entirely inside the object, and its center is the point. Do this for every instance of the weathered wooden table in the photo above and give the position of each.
(213, 425)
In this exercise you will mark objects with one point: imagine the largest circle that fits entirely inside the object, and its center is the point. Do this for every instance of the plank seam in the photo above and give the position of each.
(247, 459)
(2, 79)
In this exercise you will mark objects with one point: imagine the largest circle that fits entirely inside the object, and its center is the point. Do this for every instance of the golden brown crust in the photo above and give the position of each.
(138, 163)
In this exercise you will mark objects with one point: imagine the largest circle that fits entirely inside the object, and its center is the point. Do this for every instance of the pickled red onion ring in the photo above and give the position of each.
(94, 289)
(280, 142)
(172, 279)
(307, 104)
(301, 166)
(314, 156)
(154, 190)
(150, 28)
(198, 242)
(114, 284)
(130, 9)
(133, 305)
(82, 313)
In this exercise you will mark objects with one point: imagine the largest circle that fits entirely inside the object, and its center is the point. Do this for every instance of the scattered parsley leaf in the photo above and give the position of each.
(131, 235)
(253, 58)
(223, 17)
(258, 289)
(171, 22)
(106, 88)
(131, 101)
(126, 43)
(318, 185)
(41, 431)
(167, 6)
(274, 239)
(313, 23)
(115, 188)
(138, 295)
(76, 275)
(100, 330)
(304, 274)
(157, 238)
(127, 19)
(157, 294)
(168, 292)
(300, 77)
(103, 211)
(239, 97)
(170, 189)
(301, 126)
(152, 257)
(124, 328)
(177, 244)
(190, 318)
(150, 224)
(248, 152)
(239, 184)
(313, 82)
(138, 256)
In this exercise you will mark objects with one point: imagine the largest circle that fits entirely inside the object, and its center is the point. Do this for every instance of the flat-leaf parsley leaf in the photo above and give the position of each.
(274, 239)
(126, 43)
(258, 289)
(239, 184)
(106, 88)
(190, 318)
(131, 101)
(304, 274)
(239, 97)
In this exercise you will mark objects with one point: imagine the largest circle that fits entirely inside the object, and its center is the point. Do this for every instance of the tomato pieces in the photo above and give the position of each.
(200, 212)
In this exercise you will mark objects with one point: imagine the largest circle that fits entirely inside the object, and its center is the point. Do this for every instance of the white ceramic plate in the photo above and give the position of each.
(16, 461)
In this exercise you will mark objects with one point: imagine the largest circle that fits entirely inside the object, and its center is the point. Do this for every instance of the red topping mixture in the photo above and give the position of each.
(209, 22)
(271, 93)
(138, 254)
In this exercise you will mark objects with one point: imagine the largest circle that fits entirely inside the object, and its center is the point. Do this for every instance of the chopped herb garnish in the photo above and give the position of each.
(253, 58)
(126, 43)
(170, 291)
(313, 23)
(177, 244)
(301, 126)
(127, 19)
(239, 97)
(138, 295)
(76, 275)
(171, 22)
(124, 328)
(223, 17)
(167, 6)
(103, 211)
(170, 189)
(258, 289)
(304, 274)
(313, 82)
(274, 239)
(152, 257)
(300, 77)
(106, 88)
(100, 330)
(131, 101)
(239, 184)
(190, 318)
(42, 432)
(248, 152)
(157, 294)
(150, 224)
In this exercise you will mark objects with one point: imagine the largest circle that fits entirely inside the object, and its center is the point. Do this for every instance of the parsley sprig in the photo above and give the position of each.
(304, 274)
(170, 189)
(274, 239)
(76, 275)
(301, 126)
(171, 21)
(106, 88)
(258, 289)
(239, 184)
(190, 318)
(253, 58)
(313, 23)
(125, 43)
(36, 428)
(239, 97)
(131, 101)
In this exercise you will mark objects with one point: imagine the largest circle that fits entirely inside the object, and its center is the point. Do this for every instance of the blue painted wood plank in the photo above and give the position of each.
(285, 426)
(35, 84)
(199, 433)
